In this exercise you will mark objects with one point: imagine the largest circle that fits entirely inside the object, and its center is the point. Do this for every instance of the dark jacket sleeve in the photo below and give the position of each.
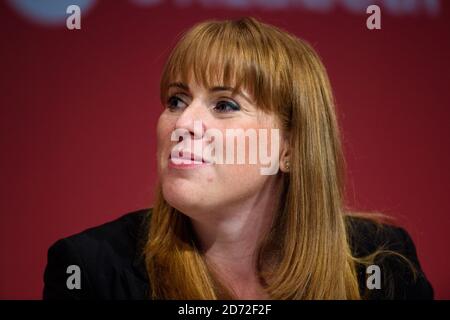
(109, 258)
(401, 273)
(409, 281)
(60, 256)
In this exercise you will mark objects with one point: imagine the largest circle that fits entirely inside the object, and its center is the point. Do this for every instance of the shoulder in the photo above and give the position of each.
(392, 249)
(366, 235)
(119, 234)
(103, 254)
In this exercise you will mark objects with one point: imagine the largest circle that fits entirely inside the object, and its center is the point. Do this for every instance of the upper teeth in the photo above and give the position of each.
(178, 160)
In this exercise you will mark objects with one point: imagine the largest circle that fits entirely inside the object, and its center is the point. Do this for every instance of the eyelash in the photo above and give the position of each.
(233, 107)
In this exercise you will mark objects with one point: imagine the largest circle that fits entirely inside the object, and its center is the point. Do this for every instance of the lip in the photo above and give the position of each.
(188, 161)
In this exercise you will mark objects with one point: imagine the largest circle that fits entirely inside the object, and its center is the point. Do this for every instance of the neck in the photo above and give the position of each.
(229, 238)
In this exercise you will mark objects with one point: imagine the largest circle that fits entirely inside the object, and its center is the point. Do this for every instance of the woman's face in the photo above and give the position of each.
(196, 173)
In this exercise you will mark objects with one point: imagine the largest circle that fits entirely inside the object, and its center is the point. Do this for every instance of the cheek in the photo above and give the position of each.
(164, 130)
(163, 125)
(237, 179)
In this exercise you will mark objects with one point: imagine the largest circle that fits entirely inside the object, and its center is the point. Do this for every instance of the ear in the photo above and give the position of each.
(285, 152)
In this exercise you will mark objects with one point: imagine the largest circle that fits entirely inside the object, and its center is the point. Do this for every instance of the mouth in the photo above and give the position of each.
(186, 159)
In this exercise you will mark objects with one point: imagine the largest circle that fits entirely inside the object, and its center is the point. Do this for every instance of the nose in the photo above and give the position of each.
(193, 119)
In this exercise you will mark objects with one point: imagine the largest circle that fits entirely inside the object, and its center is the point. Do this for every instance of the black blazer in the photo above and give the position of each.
(112, 267)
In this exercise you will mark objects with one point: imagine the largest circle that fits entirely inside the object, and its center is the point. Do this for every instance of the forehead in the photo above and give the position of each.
(215, 78)
(195, 86)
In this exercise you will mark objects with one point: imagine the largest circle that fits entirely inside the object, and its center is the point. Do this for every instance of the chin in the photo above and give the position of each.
(185, 196)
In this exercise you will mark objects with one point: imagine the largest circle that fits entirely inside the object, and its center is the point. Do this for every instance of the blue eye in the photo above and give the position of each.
(173, 103)
(226, 106)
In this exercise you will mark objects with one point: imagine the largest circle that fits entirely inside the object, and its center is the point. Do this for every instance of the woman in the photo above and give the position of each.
(227, 229)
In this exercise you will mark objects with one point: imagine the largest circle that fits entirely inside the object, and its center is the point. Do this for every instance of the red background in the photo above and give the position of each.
(79, 108)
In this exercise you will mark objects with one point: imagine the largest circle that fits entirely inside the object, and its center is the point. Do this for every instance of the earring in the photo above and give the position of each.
(287, 165)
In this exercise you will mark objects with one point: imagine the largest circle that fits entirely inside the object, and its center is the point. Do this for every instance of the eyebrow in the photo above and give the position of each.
(185, 87)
